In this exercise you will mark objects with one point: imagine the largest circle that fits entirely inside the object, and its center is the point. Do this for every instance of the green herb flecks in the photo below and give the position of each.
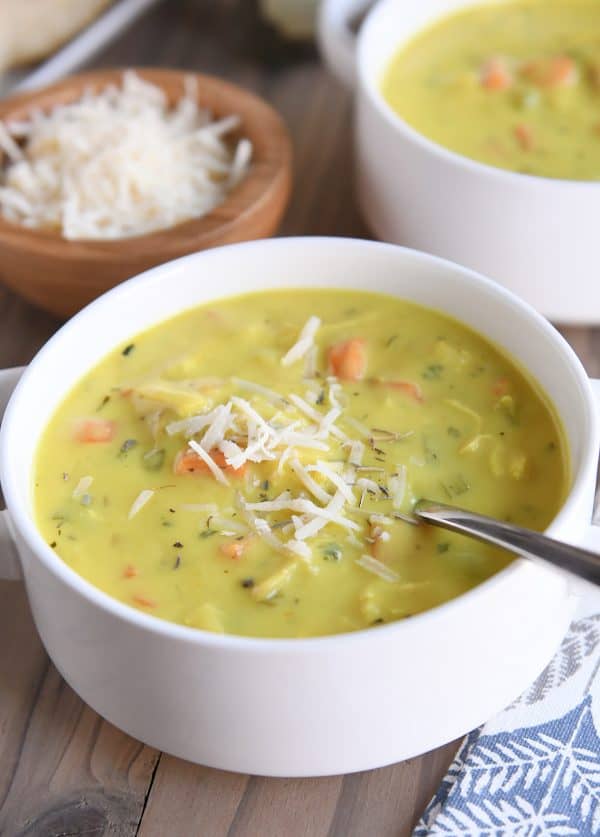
(128, 349)
(431, 455)
(103, 403)
(433, 372)
(332, 552)
(127, 445)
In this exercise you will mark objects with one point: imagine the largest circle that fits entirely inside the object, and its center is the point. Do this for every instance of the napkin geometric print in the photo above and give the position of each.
(534, 769)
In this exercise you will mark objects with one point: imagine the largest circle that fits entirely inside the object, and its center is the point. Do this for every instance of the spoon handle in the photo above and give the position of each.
(524, 542)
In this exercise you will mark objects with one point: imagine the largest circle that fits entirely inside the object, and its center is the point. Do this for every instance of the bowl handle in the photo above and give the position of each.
(10, 567)
(336, 39)
(591, 539)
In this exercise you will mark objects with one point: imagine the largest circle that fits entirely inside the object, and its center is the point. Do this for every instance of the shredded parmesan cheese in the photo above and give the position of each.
(82, 486)
(269, 394)
(305, 507)
(357, 452)
(397, 486)
(140, 501)
(324, 469)
(367, 484)
(358, 426)
(119, 162)
(372, 565)
(242, 434)
(325, 423)
(304, 343)
(308, 482)
(212, 465)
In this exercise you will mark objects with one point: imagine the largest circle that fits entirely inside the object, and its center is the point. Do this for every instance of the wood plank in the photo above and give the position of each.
(388, 802)
(24, 329)
(63, 769)
(223, 804)
(190, 799)
(23, 664)
(294, 807)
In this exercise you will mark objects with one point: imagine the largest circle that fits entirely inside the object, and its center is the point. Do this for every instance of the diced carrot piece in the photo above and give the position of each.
(560, 71)
(501, 387)
(94, 430)
(495, 75)
(407, 387)
(129, 571)
(188, 462)
(233, 549)
(348, 360)
(144, 601)
(524, 136)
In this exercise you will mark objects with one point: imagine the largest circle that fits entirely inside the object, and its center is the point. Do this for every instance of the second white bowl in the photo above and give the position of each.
(537, 236)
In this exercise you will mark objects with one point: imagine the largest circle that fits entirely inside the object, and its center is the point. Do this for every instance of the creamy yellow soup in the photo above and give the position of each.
(513, 84)
(249, 467)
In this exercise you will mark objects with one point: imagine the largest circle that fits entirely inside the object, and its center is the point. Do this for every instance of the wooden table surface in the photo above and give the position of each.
(63, 769)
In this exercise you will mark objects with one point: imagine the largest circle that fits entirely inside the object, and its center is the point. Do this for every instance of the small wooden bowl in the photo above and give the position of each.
(62, 276)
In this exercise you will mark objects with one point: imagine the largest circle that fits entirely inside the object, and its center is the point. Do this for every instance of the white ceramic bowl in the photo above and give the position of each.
(537, 236)
(308, 706)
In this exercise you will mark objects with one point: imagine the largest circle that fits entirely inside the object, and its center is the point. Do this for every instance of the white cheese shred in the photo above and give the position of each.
(82, 486)
(308, 482)
(357, 452)
(267, 393)
(210, 462)
(304, 343)
(327, 471)
(372, 565)
(397, 486)
(140, 501)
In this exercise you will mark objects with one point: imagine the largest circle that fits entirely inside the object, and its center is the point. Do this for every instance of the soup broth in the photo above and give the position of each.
(249, 467)
(514, 84)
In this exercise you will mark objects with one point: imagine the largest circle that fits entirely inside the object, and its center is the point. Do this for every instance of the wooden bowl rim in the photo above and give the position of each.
(273, 162)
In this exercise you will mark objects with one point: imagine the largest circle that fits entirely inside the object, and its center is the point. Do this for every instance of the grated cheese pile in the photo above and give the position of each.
(119, 163)
(332, 490)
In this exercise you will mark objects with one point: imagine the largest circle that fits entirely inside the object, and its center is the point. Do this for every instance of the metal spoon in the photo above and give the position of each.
(515, 539)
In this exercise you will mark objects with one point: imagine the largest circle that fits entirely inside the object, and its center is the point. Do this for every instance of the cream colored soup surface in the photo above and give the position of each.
(513, 84)
(204, 475)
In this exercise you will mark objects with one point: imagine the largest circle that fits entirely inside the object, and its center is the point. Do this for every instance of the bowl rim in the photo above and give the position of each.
(369, 82)
(62, 572)
(273, 163)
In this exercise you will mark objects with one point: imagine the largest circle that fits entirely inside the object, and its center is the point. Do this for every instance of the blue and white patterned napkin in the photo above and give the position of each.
(534, 769)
